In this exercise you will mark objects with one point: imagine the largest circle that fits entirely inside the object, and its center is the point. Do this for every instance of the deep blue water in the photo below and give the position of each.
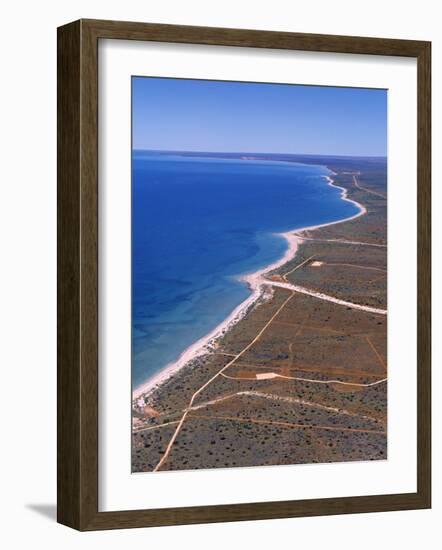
(197, 223)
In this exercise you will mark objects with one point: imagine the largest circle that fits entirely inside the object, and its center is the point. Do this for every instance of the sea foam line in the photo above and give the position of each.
(257, 284)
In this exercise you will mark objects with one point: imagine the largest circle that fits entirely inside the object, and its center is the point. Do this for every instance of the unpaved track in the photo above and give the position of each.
(301, 379)
(183, 418)
(357, 184)
(326, 297)
(288, 424)
(341, 241)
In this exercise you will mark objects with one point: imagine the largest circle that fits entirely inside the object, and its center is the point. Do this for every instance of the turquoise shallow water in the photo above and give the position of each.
(198, 223)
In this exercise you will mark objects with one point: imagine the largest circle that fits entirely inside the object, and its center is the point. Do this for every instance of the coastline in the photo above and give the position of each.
(257, 283)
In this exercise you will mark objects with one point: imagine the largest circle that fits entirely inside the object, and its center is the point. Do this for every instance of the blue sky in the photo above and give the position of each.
(204, 115)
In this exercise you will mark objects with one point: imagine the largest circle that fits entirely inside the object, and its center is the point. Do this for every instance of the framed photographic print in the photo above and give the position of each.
(239, 214)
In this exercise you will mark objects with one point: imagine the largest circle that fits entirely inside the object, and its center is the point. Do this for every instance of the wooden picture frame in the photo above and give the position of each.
(78, 274)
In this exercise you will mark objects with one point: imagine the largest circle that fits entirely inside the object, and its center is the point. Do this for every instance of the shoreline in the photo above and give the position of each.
(256, 282)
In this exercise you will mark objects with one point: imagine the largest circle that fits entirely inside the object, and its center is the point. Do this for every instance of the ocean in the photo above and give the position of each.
(197, 224)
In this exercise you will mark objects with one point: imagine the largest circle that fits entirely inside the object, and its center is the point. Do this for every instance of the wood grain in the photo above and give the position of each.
(68, 276)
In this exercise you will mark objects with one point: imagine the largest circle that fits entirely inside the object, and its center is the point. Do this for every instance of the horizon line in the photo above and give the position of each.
(258, 153)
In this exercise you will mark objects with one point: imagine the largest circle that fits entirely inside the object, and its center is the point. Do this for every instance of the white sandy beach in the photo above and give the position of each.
(257, 284)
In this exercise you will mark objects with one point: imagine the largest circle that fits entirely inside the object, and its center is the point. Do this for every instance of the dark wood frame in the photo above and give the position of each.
(78, 271)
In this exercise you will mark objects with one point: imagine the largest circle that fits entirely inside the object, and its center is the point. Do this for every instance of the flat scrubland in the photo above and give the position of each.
(300, 379)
